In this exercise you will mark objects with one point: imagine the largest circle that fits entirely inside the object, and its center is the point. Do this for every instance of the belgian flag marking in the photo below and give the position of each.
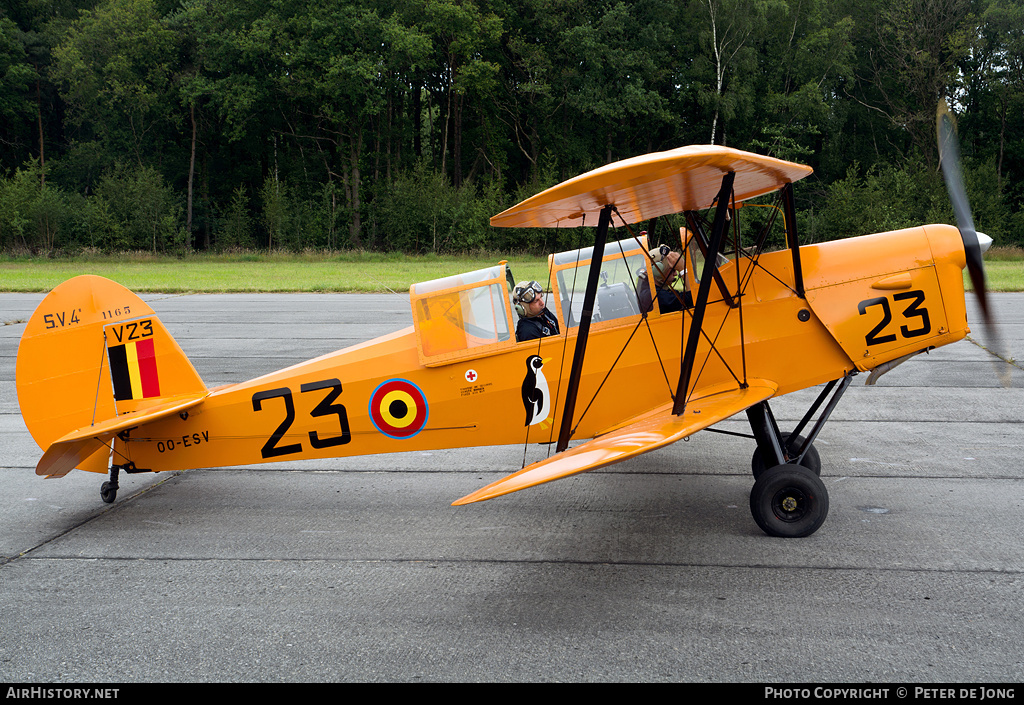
(133, 370)
(398, 409)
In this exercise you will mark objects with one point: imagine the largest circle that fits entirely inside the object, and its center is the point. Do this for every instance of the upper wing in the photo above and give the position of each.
(69, 451)
(660, 183)
(645, 433)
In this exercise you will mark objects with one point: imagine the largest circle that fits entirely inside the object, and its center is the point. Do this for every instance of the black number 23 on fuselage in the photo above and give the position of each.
(913, 310)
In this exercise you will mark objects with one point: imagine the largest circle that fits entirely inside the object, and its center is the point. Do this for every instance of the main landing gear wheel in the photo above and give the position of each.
(811, 459)
(789, 501)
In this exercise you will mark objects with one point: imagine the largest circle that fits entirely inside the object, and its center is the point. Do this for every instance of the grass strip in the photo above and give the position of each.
(313, 272)
(267, 273)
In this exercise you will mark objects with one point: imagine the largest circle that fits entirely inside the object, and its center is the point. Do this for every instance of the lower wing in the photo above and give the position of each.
(641, 435)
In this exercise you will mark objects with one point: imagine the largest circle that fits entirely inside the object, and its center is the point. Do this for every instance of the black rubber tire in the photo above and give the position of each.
(811, 459)
(789, 501)
(108, 492)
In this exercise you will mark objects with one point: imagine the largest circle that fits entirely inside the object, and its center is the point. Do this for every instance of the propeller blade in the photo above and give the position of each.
(975, 243)
(949, 161)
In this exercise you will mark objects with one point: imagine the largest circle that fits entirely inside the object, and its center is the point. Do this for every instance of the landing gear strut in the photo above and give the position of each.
(791, 446)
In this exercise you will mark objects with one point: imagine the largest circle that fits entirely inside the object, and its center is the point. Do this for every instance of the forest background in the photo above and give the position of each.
(175, 126)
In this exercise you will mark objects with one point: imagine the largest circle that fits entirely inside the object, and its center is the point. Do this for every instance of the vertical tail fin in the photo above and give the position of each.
(92, 351)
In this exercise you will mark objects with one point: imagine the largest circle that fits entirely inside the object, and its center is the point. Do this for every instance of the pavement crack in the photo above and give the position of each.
(1005, 358)
(4, 560)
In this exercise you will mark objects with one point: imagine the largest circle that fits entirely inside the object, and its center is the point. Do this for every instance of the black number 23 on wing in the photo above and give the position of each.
(913, 310)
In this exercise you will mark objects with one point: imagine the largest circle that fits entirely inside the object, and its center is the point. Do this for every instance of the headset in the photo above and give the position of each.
(659, 266)
(524, 293)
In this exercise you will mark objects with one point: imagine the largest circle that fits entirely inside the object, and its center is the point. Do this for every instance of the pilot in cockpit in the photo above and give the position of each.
(666, 265)
(535, 320)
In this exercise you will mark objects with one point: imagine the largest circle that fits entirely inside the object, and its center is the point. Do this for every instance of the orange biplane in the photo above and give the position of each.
(103, 386)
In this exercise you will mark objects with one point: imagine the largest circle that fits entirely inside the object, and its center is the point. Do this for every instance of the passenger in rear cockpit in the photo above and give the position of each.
(535, 320)
(666, 265)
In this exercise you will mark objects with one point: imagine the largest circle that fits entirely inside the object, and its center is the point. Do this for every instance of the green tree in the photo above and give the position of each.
(619, 77)
(147, 210)
(807, 59)
(17, 76)
(915, 59)
(726, 37)
(31, 211)
(114, 68)
(237, 229)
(464, 35)
(994, 123)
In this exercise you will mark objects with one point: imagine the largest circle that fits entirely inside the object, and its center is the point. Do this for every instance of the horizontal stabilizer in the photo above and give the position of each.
(645, 433)
(68, 451)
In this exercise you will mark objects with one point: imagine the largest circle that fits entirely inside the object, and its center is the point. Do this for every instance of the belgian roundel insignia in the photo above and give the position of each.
(398, 408)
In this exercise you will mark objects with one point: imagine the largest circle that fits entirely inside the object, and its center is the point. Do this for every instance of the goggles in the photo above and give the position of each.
(526, 293)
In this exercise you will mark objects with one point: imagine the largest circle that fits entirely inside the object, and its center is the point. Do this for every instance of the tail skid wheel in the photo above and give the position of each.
(789, 501)
(108, 492)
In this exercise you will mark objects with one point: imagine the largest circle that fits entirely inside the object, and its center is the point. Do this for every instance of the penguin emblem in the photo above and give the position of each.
(536, 398)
